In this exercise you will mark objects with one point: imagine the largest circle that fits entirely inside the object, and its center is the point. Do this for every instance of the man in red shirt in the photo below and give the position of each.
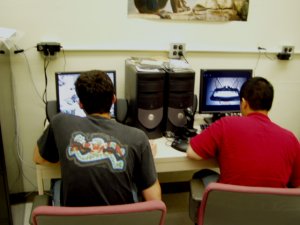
(251, 150)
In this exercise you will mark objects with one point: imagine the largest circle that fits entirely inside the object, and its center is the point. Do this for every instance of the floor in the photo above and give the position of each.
(177, 210)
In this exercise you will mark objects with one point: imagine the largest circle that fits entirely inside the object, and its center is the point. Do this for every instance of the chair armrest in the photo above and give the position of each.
(39, 200)
(196, 192)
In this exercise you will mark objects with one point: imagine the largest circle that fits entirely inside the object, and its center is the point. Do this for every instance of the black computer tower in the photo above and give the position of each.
(144, 92)
(179, 95)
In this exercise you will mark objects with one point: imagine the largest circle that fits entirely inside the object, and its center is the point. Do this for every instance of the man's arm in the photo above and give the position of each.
(192, 154)
(153, 192)
(38, 159)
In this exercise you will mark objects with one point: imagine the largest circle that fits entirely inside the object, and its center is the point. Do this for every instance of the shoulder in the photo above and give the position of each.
(283, 132)
(63, 120)
(230, 121)
(237, 120)
(132, 131)
(60, 117)
(134, 137)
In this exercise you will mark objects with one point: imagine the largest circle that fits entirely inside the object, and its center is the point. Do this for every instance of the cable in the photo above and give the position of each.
(182, 55)
(65, 61)
(45, 95)
(269, 57)
(257, 61)
(18, 51)
(264, 51)
(16, 140)
(46, 64)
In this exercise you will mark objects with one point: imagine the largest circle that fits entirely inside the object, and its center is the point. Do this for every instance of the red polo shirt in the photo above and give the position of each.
(252, 151)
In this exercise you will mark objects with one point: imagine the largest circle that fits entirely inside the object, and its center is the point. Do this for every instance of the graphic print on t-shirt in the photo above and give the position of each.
(97, 149)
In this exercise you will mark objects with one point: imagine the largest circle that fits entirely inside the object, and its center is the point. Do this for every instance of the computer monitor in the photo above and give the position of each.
(67, 99)
(219, 91)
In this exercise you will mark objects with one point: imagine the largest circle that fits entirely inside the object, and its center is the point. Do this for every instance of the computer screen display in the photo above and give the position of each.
(220, 89)
(67, 99)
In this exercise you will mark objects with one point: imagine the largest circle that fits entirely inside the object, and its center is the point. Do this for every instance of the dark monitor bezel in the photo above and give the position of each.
(72, 73)
(204, 108)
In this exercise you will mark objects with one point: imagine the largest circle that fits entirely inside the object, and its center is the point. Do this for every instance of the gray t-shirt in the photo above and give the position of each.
(102, 161)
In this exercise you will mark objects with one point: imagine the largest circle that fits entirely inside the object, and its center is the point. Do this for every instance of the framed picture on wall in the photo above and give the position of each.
(201, 10)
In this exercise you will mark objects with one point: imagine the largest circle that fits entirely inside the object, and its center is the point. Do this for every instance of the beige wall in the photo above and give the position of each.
(98, 34)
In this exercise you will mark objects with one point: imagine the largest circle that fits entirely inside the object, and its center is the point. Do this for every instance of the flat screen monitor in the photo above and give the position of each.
(67, 99)
(220, 89)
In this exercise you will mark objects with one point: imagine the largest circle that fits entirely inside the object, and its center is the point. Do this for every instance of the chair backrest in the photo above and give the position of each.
(239, 205)
(141, 213)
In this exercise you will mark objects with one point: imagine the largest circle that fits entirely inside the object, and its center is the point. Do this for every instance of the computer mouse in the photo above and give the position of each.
(180, 144)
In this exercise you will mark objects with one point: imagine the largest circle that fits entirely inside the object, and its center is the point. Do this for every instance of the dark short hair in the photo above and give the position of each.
(95, 91)
(258, 92)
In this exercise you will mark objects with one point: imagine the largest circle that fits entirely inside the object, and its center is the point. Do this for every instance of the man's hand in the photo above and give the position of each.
(153, 147)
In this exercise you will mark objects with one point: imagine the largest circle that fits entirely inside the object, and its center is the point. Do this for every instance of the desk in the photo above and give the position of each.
(167, 159)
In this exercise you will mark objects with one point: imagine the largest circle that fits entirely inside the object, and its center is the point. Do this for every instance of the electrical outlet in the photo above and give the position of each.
(288, 49)
(48, 48)
(286, 52)
(176, 50)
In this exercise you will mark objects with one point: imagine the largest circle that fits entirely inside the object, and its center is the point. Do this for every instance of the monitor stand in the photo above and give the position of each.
(215, 116)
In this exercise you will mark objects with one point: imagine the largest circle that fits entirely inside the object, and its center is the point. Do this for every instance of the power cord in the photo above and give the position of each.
(182, 55)
(18, 51)
(265, 53)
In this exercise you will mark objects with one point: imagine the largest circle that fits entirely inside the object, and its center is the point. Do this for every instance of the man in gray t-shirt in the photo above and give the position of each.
(103, 162)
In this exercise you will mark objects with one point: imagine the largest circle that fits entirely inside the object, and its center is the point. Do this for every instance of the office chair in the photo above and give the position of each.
(225, 204)
(149, 212)
(141, 213)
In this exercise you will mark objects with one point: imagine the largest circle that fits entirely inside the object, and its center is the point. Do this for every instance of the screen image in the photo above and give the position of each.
(67, 99)
(220, 89)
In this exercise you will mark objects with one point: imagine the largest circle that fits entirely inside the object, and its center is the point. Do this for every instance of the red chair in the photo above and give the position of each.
(224, 204)
(141, 213)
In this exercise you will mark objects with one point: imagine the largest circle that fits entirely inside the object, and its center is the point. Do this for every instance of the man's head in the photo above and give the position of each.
(256, 94)
(95, 91)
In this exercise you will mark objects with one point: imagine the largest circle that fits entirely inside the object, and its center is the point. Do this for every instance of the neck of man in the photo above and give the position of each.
(265, 112)
(104, 115)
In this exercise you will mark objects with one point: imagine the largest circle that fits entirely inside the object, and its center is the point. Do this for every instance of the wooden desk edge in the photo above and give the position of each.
(161, 164)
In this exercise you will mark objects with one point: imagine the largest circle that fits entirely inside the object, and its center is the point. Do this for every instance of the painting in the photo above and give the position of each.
(198, 10)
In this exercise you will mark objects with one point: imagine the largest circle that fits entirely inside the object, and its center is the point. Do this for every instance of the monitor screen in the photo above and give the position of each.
(220, 89)
(67, 100)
